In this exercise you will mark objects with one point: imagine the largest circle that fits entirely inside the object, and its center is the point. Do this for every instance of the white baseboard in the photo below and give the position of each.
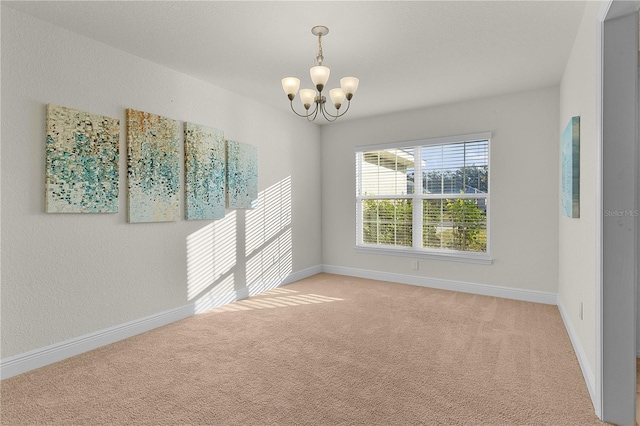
(587, 371)
(41, 357)
(37, 358)
(465, 287)
(305, 273)
(212, 301)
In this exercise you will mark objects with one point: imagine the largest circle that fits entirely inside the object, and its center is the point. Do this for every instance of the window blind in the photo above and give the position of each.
(430, 197)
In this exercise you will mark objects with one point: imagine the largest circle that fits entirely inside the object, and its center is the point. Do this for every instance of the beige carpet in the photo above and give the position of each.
(326, 350)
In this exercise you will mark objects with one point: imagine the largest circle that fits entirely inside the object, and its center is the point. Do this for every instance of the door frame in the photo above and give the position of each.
(617, 189)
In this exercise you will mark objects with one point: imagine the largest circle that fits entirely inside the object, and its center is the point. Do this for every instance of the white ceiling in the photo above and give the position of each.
(407, 54)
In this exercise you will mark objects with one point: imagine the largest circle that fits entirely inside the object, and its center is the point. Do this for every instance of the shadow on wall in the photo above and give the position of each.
(244, 254)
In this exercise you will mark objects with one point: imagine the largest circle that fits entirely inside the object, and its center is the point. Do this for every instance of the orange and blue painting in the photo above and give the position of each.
(82, 152)
(242, 175)
(153, 161)
(205, 172)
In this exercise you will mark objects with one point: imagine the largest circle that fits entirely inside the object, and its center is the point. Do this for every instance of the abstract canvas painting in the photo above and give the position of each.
(571, 169)
(242, 175)
(82, 152)
(205, 172)
(153, 167)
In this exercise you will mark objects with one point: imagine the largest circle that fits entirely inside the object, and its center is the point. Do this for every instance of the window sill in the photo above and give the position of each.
(477, 258)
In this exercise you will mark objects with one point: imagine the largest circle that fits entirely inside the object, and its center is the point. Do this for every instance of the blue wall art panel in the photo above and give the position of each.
(571, 169)
(205, 172)
(242, 175)
(153, 167)
(82, 152)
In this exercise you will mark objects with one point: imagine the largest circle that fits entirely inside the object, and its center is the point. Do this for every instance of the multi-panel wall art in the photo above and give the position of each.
(153, 167)
(242, 175)
(205, 172)
(82, 152)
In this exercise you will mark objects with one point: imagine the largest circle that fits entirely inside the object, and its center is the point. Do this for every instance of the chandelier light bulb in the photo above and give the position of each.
(349, 85)
(290, 86)
(337, 97)
(319, 76)
(306, 97)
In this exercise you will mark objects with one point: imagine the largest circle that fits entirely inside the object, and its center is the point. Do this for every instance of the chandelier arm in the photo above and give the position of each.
(345, 110)
(340, 114)
(327, 116)
(298, 114)
(315, 113)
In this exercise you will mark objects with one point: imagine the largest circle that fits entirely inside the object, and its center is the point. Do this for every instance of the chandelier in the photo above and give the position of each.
(320, 76)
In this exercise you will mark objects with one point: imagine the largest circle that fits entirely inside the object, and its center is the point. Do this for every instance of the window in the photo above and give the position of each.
(429, 197)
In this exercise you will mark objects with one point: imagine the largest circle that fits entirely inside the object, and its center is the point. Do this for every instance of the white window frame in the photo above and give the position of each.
(417, 197)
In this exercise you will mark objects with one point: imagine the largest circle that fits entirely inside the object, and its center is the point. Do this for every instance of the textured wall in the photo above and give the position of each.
(577, 237)
(65, 275)
(524, 189)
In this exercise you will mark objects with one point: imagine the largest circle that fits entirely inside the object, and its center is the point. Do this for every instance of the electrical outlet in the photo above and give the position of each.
(581, 311)
(415, 265)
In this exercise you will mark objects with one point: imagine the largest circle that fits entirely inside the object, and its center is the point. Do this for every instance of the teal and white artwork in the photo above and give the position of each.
(242, 175)
(82, 152)
(153, 167)
(571, 169)
(205, 172)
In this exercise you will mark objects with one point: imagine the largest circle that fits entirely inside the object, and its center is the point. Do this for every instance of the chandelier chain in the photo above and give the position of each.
(320, 56)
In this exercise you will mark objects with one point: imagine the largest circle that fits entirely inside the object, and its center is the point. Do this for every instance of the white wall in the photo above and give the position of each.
(577, 237)
(524, 188)
(65, 275)
(598, 268)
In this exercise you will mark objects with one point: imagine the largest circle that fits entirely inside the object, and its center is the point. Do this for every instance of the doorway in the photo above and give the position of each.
(616, 321)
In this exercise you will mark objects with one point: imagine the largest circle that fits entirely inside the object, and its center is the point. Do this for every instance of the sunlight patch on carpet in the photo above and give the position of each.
(276, 291)
(275, 302)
